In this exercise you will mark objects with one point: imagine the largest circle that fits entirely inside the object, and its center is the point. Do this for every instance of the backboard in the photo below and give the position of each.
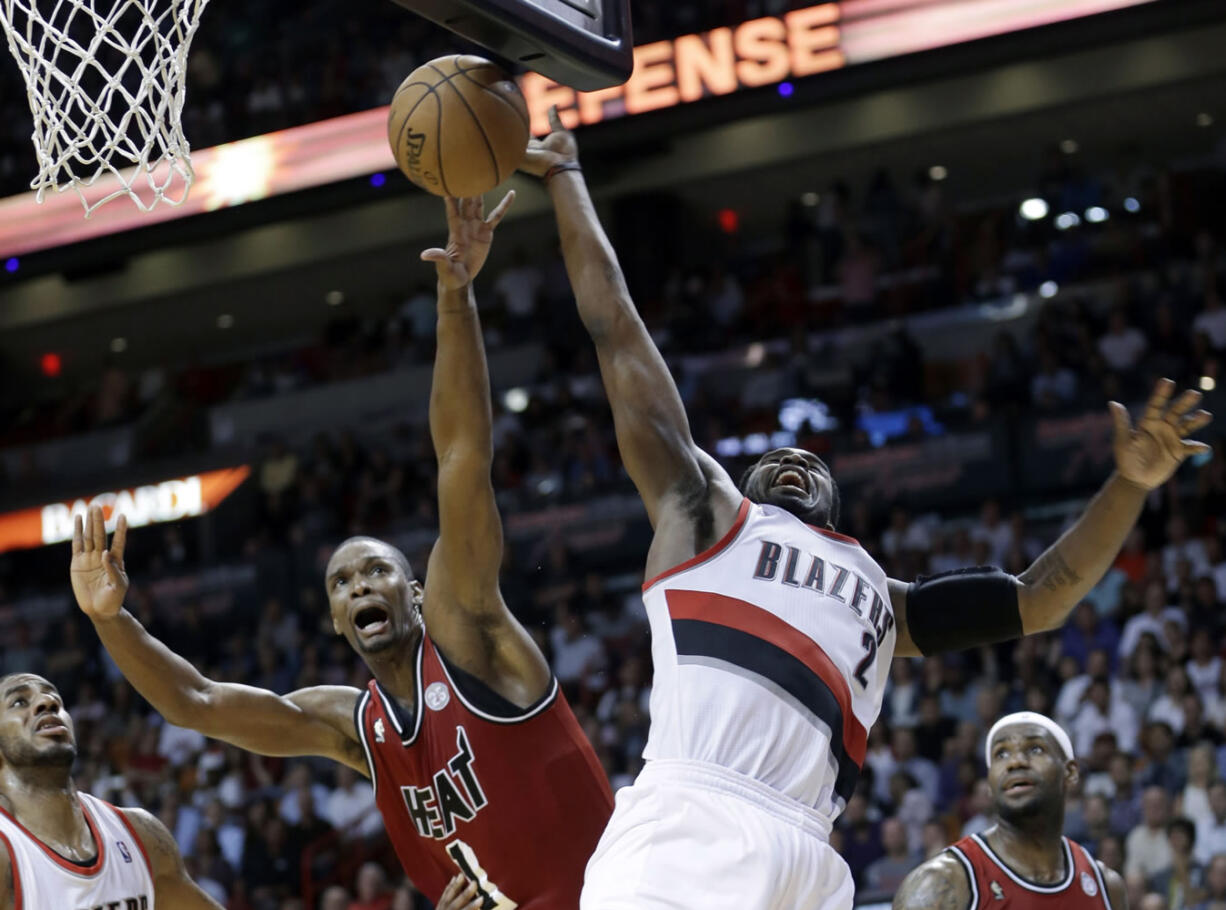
(586, 44)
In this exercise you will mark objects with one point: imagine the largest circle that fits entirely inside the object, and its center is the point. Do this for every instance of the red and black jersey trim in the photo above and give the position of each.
(738, 634)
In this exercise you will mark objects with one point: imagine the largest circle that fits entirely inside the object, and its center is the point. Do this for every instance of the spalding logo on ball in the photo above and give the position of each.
(458, 126)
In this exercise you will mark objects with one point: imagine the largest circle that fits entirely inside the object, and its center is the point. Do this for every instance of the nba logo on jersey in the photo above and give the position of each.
(997, 891)
(123, 851)
(437, 696)
(1088, 885)
(379, 730)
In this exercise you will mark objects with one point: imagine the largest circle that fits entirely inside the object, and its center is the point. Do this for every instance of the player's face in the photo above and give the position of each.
(1029, 774)
(35, 730)
(374, 604)
(795, 480)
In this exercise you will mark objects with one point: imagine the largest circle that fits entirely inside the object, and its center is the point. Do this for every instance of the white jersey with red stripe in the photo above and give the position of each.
(118, 878)
(771, 650)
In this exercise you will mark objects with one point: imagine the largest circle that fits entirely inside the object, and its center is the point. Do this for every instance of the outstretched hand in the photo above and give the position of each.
(98, 577)
(559, 147)
(1149, 453)
(469, 233)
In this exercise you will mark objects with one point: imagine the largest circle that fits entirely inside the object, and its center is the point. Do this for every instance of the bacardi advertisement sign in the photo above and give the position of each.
(169, 500)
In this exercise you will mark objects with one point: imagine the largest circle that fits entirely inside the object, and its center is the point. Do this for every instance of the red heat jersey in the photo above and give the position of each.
(994, 886)
(516, 803)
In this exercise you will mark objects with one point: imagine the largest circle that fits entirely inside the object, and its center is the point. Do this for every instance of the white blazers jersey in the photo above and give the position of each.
(771, 652)
(119, 878)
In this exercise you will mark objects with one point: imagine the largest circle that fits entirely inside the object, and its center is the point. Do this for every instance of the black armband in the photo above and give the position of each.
(957, 610)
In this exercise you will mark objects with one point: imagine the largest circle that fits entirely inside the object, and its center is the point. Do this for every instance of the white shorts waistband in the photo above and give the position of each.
(718, 779)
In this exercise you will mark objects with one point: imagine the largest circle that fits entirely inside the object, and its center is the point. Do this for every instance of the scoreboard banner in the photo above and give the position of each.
(764, 51)
(170, 500)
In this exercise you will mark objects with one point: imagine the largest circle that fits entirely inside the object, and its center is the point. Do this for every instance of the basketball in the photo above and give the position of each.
(458, 126)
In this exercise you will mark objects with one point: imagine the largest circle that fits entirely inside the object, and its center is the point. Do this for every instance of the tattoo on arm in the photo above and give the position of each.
(1053, 572)
(937, 885)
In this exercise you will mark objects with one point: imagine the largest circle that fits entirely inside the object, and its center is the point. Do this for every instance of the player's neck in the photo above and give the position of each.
(45, 801)
(1033, 850)
(396, 670)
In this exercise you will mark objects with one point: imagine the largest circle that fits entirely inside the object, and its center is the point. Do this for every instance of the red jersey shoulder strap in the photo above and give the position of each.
(959, 852)
(1087, 866)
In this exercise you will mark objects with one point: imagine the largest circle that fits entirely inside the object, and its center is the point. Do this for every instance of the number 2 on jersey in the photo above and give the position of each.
(466, 859)
(869, 641)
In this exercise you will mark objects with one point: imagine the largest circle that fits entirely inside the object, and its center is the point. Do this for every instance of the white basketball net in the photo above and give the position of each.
(105, 79)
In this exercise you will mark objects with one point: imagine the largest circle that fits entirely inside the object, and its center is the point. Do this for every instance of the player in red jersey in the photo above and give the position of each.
(479, 766)
(1023, 861)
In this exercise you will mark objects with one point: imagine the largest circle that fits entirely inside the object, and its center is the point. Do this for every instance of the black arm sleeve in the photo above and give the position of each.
(962, 609)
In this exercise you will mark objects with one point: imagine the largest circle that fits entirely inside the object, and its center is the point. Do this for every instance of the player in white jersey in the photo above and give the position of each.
(772, 633)
(61, 849)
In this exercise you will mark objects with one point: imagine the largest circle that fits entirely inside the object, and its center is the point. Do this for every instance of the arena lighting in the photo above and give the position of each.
(755, 354)
(377, 180)
(1034, 209)
(516, 400)
(12, 264)
(334, 298)
(810, 199)
(1066, 220)
(225, 321)
(1131, 204)
(937, 172)
(1069, 146)
(1204, 119)
(1207, 384)
(1048, 290)
(785, 89)
(1096, 214)
(764, 51)
(119, 345)
(170, 500)
(50, 364)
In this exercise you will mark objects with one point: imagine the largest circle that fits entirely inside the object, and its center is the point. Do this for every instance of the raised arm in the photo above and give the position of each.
(939, 884)
(172, 886)
(464, 610)
(316, 721)
(653, 432)
(1146, 456)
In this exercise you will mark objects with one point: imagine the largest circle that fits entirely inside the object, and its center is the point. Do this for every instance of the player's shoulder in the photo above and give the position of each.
(1117, 892)
(156, 839)
(941, 883)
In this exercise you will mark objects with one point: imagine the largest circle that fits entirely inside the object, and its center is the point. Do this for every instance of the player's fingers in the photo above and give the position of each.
(555, 120)
(434, 254)
(1184, 403)
(97, 528)
(453, 886)
(452, 206)
(500, 209)
(120, 538)
(78, 536)
(1195, 421)
(1158, 399)
(1196, 448)
(1119, 417)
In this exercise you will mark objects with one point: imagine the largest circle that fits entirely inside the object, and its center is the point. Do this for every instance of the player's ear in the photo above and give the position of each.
(1072, 774)
(417, 591)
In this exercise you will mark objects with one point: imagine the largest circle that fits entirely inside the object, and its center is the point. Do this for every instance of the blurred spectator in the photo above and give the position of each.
(373, 891)
(886, 873)
(1182, 883)
(1148, 849)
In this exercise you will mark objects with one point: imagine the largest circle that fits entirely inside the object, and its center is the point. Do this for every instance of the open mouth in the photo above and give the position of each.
(1019, 786)
(51, 726)
(370, 620)
(791, 477)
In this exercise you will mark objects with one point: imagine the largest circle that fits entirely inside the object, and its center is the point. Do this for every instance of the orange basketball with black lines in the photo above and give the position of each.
(458, 126)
